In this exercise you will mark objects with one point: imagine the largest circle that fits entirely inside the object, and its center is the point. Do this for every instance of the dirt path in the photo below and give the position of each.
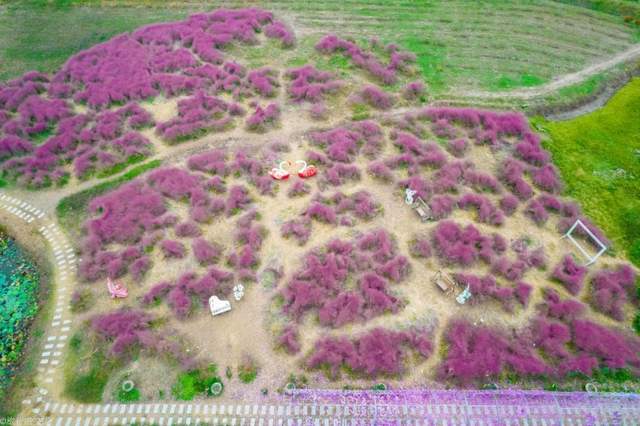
(558, 83)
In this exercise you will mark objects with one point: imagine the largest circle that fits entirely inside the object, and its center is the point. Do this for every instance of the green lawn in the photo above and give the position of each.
(599, 157)
(489, 44)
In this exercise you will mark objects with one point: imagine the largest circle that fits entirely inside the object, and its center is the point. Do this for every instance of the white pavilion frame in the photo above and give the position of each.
(602, 246)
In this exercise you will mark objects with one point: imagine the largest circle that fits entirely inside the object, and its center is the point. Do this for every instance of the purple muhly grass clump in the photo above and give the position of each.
(205, 252)
(458, 147)
(531, 151)
(513, 271)
(264, 118)
(511, 173)
(413, 90)
(300, 229)
(376, 97)
(473, 353)
(213, 162)
(332, 353)
(420, 247)
(443, 129)
(156, 293)
(345, 308)
(188, 229)
(551, 336)
(612, 288)
(364, 205)
(546, 178)
(310, 84)
(535, 258)
(319, 111)
(337, 174)
(481, 181)
(380, 171)
(395, 269)
(536, 212)
(279, 31)
(321, 213)
(139, 267)
(457, 245)
(237, 200)
(125, 330)
(399, 61)
(564, 310)
(380, 243)
(216, 184)
(299, 188)
(442, 206)
(487, 212)
(611, 347)
(173, 249)
(379, 352)
(570, 274)
(582, 363)
(523, 292)
(508, 204)
(289, 340)
(263, 81)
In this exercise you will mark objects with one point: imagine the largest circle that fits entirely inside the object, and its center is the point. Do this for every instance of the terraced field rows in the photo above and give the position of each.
(493, 45)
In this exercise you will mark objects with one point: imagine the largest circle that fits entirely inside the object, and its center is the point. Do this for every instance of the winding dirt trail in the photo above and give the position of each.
(560, 82)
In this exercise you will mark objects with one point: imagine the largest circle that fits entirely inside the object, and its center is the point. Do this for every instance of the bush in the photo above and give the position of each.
(195, 382)
(570, 274)
(247, 370)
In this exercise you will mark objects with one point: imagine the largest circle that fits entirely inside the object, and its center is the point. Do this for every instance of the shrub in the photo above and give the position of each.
(478, 353)
(310, 84)
(319, 284)
(420, 247)
(413, 90)
(298, 189)
(289, 340)
(462, 246)
(399, 61)
(205, 252)
(611, 347)
(300, 229)
(612, 288)
(380, 171)
(546, 178)
(508, 204)
(564, 310)
(247, 370)
(458, 147)
(264, 118)
(570, 274)
(188, 229)
(173, 249)
(376, 98)
(81, 300)
(376, 353)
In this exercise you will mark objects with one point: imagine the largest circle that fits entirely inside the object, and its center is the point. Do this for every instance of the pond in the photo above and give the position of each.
(19, 283)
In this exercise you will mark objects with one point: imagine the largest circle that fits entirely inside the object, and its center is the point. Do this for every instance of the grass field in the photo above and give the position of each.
(492, 44)
(599, 157)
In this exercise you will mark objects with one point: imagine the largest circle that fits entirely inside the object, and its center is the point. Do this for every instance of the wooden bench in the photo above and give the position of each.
(445, 282)
(423, 209)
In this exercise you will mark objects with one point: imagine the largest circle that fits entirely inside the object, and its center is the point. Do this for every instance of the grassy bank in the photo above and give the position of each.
(70, 210)
(598, 155)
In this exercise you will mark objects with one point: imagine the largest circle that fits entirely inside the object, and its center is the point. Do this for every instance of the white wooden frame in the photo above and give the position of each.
(591, 259)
